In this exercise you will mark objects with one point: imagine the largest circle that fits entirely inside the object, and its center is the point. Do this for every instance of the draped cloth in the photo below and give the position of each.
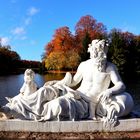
(59, 102)
(49, 103)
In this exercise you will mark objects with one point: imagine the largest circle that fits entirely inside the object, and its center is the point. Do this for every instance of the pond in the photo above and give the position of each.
(11, 84)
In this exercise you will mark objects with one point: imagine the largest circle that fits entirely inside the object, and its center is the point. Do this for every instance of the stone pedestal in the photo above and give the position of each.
(68, 126)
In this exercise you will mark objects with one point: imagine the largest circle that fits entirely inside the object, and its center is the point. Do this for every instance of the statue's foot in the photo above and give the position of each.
(5, 113)
(3, 116)
(92, 118)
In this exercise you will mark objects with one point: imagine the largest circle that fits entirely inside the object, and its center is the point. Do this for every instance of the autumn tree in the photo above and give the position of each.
(72, 60)
(63, 40)
(56, 50)
(48, 49)
(55, 60)
(87, 29)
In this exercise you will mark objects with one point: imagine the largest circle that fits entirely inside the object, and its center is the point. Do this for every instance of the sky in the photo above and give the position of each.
(28, 25)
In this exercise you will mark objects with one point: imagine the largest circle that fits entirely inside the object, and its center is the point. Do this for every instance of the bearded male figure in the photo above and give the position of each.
(96, 75)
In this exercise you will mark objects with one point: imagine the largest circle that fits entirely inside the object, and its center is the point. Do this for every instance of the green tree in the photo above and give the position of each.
(85, 42)
(137, 55)
(123, 51)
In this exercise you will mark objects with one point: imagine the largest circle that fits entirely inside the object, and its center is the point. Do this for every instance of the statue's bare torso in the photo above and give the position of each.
(93, 81)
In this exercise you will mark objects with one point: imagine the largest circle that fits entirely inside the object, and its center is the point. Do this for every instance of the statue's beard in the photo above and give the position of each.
(101, 64)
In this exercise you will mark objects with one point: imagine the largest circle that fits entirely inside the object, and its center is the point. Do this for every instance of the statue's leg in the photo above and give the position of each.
(92, 110)
(121, 105)
(125, 102)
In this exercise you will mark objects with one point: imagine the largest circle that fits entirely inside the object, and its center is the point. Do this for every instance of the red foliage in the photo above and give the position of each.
(87, 24)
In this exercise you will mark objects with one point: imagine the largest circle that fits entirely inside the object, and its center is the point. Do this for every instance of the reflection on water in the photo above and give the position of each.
(53, 76)
(10, 86)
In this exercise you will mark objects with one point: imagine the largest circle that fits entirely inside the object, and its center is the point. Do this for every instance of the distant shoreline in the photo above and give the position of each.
(59, 71)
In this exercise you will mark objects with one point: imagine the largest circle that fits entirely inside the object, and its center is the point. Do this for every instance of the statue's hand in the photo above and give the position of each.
(105, 95)
(111, 119)
(50, 83)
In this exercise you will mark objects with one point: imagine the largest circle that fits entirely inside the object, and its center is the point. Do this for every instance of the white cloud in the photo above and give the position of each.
(23, 37)
(32, 11)
(28, 21)
(5, 41)
(18, 31)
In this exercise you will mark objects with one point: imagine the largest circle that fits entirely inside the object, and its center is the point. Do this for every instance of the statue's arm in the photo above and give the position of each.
(68, 80)
(77, 77)
(116, 80)
(118, 87)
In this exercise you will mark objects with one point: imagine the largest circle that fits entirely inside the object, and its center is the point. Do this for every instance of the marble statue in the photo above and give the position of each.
(93, 99)
(29, 86)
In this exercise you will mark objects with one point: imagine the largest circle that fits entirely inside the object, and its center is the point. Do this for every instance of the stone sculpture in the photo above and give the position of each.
(29, 86)
(94, 99)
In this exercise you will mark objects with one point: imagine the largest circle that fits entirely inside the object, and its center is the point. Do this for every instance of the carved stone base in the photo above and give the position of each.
(68, 126)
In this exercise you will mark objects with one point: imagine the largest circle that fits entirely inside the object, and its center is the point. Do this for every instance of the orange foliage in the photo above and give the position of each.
(63, 40)
(49, 48)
